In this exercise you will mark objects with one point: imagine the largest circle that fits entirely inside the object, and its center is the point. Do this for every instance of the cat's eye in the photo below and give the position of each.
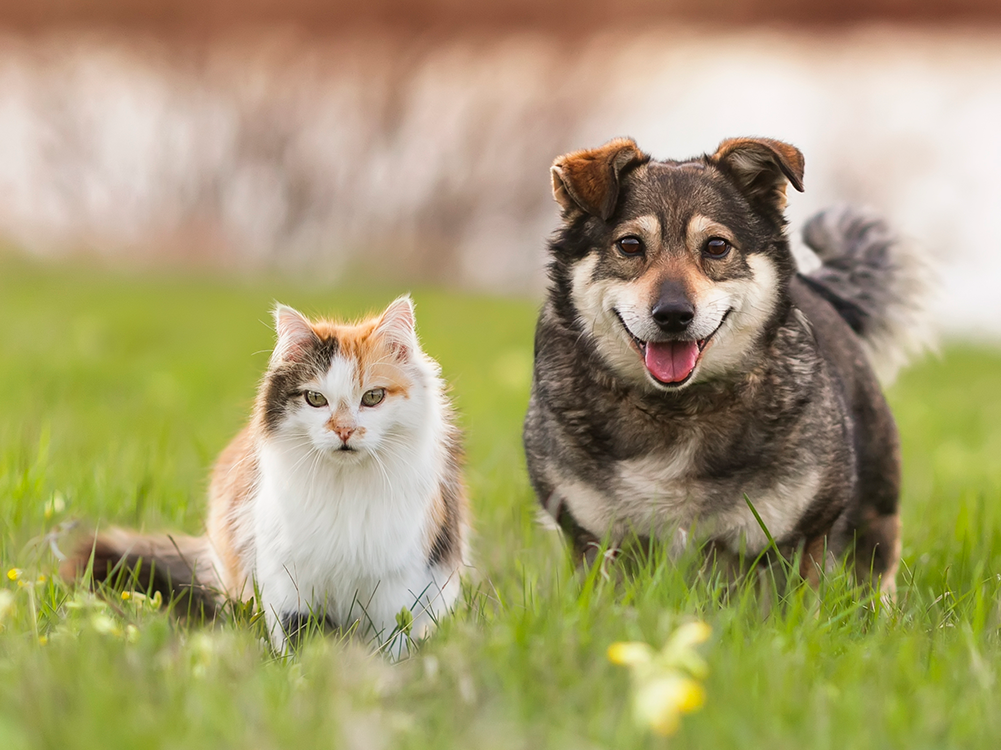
(717, 248)
(314, 399)
(373, 397)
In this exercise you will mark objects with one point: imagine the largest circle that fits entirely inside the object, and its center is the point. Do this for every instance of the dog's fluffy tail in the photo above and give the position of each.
(179, 567)
(880, 285)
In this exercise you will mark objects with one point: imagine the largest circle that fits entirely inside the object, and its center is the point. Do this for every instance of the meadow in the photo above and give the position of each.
(117, 390)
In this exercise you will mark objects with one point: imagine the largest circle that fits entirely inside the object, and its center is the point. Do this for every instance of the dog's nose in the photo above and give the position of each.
(673, 316)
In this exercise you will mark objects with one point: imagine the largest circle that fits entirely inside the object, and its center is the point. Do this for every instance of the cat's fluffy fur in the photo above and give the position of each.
(338, 511)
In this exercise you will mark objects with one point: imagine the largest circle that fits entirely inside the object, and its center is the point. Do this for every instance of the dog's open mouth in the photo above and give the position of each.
(671, 362)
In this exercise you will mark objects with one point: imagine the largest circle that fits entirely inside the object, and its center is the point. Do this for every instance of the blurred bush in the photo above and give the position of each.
(371, 150)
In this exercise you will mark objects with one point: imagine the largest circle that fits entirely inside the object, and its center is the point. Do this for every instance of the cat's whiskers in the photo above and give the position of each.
(313, 473)
(400, 444)
(312, 450)
(382, 470)
(293, 440)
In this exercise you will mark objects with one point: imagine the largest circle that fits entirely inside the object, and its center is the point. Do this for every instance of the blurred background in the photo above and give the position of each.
(410, 141)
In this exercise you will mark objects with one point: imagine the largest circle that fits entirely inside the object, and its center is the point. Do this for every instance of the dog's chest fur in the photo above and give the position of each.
(623, 461)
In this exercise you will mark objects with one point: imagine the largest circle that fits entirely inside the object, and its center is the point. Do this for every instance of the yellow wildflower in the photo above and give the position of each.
(659, 702)
(15, 574)
(665, 682)
(691, 634)
(680, 653)
(630, 654)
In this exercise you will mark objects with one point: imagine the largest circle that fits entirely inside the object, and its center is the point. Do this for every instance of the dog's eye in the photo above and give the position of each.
(717, 248)
(630, 246)
(314, 399)
(373, 397)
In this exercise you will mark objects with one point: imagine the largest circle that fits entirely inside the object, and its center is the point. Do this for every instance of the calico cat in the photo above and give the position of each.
(342, 500)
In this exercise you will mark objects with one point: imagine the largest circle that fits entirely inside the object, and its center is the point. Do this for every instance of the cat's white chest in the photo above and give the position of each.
(350, 543)
(335, 523)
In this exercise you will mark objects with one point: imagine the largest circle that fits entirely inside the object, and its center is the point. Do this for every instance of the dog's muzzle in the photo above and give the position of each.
(671, 362)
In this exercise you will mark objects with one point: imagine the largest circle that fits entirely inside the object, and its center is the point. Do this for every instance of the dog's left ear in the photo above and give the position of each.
(761, 168)
(588, 180)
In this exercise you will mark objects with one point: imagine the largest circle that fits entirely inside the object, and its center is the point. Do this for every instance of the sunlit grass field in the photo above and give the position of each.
(117, 391)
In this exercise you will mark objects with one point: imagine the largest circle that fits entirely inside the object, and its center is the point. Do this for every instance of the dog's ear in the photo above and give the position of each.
(761, 168)
(588, 180)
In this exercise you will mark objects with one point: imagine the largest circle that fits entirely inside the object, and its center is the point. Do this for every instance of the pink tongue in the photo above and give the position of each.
(671, 361)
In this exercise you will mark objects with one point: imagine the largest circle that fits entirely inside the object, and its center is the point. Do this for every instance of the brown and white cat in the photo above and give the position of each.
(342, 500)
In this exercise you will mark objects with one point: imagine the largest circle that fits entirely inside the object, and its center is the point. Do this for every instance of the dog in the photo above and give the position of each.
(690, 386)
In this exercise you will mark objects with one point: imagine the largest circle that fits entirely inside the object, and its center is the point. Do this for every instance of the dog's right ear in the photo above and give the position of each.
(761, 167)
(588, 180)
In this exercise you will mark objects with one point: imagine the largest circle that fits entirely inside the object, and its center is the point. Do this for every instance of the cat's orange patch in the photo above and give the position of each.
(233, 479)
(377, 363)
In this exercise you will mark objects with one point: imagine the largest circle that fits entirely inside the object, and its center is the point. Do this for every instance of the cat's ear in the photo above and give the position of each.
(398, 326)
(295, 334)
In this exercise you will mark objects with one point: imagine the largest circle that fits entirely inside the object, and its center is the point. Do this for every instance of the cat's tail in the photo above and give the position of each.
(879, 284)
(181, 568)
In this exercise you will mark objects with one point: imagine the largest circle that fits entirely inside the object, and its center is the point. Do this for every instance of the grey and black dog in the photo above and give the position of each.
(682, 363)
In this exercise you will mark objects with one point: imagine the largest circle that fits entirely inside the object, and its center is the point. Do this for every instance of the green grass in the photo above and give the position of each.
(116, 392)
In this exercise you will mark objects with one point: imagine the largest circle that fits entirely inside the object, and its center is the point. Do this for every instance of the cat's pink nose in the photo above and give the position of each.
(344, 433)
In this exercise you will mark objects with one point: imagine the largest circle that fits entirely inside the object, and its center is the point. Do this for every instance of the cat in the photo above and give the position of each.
(340, 503)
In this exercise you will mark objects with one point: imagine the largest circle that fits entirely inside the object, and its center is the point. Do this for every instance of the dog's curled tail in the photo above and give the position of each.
(880, 285)
(179, 567)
